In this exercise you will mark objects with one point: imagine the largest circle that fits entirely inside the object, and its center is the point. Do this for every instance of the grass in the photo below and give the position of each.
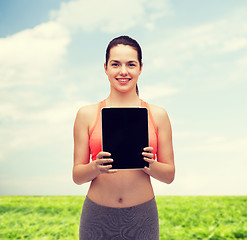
(203, 217)
(181, 217)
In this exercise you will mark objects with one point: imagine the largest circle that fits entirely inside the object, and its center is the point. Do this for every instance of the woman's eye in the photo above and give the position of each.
(114, 64)
(132, 65)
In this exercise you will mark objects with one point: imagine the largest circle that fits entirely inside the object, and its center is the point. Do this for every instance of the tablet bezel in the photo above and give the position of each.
(146, 125)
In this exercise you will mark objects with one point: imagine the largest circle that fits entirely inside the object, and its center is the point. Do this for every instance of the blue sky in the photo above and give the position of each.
(51, 64)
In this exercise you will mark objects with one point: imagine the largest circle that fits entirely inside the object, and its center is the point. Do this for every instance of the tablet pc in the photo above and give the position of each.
(124, 135)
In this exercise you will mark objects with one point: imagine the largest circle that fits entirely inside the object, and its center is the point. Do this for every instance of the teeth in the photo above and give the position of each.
(123, 80)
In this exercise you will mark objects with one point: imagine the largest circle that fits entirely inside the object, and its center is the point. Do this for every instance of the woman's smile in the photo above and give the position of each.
(123, 81)
(123, 68)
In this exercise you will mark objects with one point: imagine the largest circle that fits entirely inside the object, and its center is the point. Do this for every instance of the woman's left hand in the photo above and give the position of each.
(148, 157)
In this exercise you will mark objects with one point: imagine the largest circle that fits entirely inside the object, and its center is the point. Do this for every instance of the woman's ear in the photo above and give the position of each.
(141, 68)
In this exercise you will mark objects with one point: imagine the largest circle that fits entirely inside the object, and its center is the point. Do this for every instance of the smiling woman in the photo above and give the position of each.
(122, 68)
(120, 204)
(132, 64)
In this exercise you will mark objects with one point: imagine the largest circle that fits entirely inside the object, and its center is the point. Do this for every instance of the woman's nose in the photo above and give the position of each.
(123, 70)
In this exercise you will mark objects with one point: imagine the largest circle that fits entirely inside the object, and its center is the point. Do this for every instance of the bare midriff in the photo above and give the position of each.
(125, 188)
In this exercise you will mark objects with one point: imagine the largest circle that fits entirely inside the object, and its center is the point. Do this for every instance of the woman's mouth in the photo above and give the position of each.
(123, 80)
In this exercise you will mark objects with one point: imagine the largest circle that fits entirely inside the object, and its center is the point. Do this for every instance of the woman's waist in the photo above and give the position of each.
(122, 189)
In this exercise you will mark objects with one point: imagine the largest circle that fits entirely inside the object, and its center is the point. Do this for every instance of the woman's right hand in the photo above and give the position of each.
(100, 161)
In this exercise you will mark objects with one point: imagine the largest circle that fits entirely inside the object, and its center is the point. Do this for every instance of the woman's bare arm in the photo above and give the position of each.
(163, 169)
(84, 170)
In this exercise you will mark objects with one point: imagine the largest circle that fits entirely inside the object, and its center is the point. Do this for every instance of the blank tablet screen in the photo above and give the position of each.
(124, 135)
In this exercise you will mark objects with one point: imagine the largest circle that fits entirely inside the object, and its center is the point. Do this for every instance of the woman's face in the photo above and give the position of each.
(123, 68)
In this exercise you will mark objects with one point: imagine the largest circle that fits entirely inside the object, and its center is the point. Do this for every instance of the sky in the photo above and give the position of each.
(51, 63)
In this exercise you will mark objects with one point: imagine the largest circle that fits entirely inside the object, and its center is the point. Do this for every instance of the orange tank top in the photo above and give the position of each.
(95, 138)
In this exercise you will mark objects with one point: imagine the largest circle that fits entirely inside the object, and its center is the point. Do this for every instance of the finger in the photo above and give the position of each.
(104, 168)
(104, 160)
(150, 161)
(148, 149)
(103, 154)
(149, 155)
(146, 170)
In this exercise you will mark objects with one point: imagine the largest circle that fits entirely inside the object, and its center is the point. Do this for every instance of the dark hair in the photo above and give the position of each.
(125, 40)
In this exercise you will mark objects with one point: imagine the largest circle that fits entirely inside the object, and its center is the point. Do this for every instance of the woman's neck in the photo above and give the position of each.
(123, 99)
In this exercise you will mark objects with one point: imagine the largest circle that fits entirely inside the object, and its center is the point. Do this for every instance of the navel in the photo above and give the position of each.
(120, 200)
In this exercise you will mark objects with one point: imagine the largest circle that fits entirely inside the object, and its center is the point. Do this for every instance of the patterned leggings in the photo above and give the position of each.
(106, 223)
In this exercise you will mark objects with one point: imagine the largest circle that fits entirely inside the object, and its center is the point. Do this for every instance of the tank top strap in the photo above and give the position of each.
(100, 106)
(145, 104)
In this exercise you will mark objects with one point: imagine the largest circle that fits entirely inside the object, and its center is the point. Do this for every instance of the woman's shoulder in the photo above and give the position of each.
(157, 110)
(87, 108)
(87, 112)
(159, 114)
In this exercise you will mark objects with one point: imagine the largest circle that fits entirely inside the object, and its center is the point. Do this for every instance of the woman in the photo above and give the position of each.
(120, 204)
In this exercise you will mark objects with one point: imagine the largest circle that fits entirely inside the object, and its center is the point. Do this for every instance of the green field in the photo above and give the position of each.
(57, 217)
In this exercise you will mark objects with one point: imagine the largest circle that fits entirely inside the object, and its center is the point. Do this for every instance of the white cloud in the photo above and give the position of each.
(157, 90)
(205, 44)
(30, 56)
(58, 113)
(208, 163)
(234, 44)
(42, 185)
(109, 15)
(189, 134)
(198, 182)
(242, 61)
(209, 142)
(47, 126)
(23, 111)
(219, 145)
